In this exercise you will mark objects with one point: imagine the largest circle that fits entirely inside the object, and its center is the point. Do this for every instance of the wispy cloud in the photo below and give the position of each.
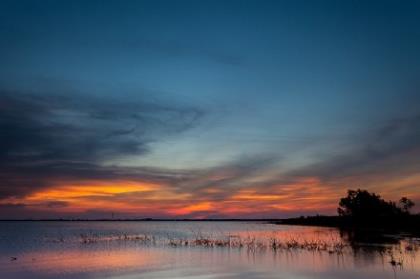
(57, 153)
(51, 136)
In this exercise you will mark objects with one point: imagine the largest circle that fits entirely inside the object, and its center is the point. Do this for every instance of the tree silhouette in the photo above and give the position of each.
(362, 204)
(406, 204)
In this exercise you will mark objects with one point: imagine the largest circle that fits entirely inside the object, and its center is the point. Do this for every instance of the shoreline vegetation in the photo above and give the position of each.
(402, 224)
(361, 210)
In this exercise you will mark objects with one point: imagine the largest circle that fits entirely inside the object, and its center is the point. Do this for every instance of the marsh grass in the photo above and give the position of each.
(95, 238)
(252, 244)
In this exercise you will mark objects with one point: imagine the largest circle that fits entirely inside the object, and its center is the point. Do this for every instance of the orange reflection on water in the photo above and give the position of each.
(86, 260)
(120, 257)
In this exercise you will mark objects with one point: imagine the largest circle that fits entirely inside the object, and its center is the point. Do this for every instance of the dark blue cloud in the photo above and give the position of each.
(392, 149)
(48, 136)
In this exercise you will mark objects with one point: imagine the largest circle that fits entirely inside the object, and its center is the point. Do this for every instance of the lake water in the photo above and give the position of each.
(129, 250)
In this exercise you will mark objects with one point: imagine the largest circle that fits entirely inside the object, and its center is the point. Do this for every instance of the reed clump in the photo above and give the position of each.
(251, 243)
(254, 244)
(95, 238)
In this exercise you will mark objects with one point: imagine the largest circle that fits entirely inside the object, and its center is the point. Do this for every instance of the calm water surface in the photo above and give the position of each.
(200, 250)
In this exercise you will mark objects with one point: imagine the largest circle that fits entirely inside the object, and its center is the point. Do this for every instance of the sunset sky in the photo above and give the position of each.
(206, 109)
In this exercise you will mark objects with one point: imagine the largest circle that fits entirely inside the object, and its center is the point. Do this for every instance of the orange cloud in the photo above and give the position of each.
(143, 199)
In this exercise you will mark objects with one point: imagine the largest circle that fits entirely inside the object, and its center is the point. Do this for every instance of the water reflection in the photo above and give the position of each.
(58, 250)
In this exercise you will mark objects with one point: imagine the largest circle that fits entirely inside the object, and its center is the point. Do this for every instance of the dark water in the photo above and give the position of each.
(200, 250)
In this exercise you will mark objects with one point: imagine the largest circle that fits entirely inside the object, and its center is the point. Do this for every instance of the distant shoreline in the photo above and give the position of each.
(143, 220)
(409, 223)
(404, 224)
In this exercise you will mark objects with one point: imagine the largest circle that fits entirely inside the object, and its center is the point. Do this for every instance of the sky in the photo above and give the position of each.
(206, 109)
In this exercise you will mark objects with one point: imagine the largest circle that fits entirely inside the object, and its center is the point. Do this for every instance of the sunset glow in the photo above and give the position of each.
(137, 199)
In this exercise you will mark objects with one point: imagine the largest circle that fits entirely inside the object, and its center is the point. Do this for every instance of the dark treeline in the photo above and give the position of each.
(362, 204)
(362, 209)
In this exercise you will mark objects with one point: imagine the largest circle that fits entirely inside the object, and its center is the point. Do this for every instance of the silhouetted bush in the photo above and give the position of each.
(362, 204)
(362, 212)
(406, 204)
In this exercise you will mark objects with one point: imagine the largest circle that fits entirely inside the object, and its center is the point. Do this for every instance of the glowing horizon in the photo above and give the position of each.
(131, 199)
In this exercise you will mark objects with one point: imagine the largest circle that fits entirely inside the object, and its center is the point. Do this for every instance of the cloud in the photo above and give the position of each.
(53, 142)
(47, 137)
(57, 204)
(387, 162)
